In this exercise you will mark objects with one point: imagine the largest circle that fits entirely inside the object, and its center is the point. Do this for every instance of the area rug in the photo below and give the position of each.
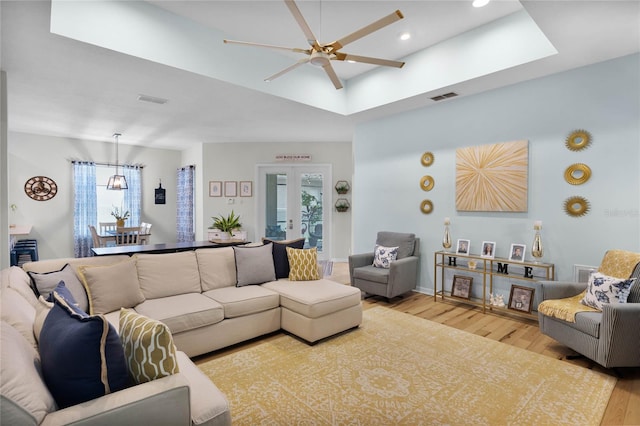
(398, 369)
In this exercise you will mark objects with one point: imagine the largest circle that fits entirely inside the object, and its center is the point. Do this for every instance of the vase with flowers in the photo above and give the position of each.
(120, 214)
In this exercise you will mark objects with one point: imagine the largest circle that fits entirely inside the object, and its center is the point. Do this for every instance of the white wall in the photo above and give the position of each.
(601, 98)
(35, 155)
(237, 162)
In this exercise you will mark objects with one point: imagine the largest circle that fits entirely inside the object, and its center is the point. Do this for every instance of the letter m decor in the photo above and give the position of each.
(503, 268)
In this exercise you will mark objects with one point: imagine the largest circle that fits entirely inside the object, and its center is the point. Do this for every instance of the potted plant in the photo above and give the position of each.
(342, 205)
(120, 214)
(226, 225)
(342, 187)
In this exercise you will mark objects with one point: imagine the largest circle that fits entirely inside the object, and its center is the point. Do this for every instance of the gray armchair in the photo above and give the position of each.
(611, 337)
(402, 275)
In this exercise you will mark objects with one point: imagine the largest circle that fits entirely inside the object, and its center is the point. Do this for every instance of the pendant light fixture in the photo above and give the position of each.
(117, 182)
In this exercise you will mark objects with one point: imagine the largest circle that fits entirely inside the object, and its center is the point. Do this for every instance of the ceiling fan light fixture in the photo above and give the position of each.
(319, 59)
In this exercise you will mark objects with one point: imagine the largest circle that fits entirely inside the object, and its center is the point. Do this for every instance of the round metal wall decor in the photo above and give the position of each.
(41, 188)
(426, 206)
(426, 183)
(578, 140)
(577, 174)
(576, 206)
(427, 159)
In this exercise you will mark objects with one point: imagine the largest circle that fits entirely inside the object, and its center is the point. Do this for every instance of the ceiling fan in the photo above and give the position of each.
(320, 55)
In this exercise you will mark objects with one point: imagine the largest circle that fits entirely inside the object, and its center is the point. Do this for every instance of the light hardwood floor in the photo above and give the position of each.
(624, 405)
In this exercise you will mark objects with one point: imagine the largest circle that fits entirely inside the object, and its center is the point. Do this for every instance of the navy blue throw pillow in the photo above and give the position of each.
(82, 356)
(280, 259)
(64, 292)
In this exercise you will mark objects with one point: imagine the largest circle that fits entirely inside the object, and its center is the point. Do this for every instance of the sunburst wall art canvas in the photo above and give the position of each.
(492, 178)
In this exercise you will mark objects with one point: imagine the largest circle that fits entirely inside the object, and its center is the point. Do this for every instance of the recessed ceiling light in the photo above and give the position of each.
(405, 36)
(480, 3)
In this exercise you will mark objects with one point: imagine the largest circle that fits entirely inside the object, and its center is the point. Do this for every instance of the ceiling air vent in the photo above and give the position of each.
(152, 99)
(444, 96)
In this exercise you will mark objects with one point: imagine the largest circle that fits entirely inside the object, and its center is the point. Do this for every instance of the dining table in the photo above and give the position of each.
(164, 247)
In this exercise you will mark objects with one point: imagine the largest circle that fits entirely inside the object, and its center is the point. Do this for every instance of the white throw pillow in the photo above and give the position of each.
(383, 256)
(604, 289)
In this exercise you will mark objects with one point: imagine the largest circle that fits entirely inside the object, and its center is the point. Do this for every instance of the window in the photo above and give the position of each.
(106, 199)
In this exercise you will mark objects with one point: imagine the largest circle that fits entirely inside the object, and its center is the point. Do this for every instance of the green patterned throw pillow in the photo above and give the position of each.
(148, 347)
(303, 264)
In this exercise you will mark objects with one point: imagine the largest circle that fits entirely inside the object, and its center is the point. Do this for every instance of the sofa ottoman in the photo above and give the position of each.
(313, 310)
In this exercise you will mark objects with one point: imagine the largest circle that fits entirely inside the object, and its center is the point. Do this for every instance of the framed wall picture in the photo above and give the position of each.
(215, 188)
(461, 286)
(230, 188)
(463, 246)
(516, 252)
(521, 298)
(488, 249)
(246, 188)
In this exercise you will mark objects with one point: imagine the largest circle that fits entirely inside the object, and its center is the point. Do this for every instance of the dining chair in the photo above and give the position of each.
(95, 237)
(145, 233)
(107, 226)
(127, 236)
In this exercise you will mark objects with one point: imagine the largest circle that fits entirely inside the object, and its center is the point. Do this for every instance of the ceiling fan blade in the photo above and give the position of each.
(339, 56)
(302, 23)
(333, 76)
(375, 26)
(286, 70)
(270, 46)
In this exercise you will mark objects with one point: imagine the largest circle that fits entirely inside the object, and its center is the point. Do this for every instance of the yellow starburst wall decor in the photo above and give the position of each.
(492, 178)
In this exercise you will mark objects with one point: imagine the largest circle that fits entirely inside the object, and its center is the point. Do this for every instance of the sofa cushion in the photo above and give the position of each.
(46, 282)
(383, 256)
(314, 299)
(371, 273)
(18, 313)
(605, 289)
(279, 252)
(25, 397)
(208, 404)
(82, 357)
(217, 268)
(163, 275)
(42, 310)
(183, 312)
(303, 264)
(247, 300)
(111, 287)
(405, 242)
(19, 280)
(148, 347)
(254, 264)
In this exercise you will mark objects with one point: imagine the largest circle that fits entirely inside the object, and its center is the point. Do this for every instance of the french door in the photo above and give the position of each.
(295, 201)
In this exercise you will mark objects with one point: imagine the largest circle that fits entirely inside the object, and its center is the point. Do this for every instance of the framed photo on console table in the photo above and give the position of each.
(461, 286)
(462, 247)
(516, 252)
(488, 249)
(521, 298)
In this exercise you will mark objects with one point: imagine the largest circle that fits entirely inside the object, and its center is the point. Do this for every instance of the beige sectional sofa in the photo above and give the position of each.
(198, 296)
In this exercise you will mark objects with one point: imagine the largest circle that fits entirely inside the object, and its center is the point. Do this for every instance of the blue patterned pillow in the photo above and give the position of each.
(81, 355)
(383, 256)
(604, 289)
